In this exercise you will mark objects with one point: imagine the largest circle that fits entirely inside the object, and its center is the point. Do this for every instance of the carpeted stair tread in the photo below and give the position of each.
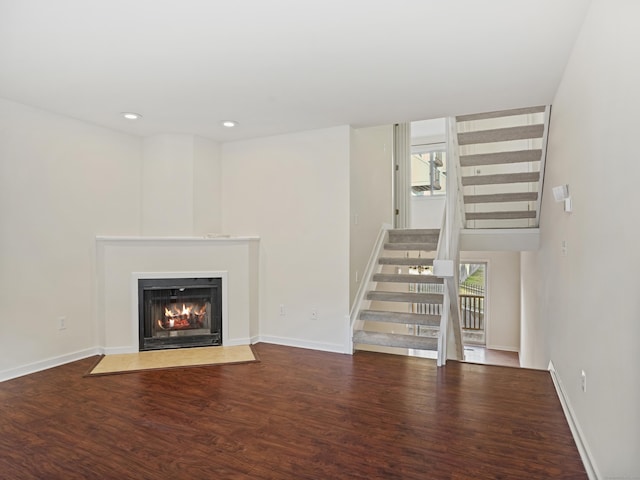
(500, 114)
(395, 340)
(502, 197)
(501, 134)
(436, 298)
(406, 278)
(414, 235)
(500, 158)
(500, 215)
(426, 247)
(405, 261)
(501, 178)
(415, 231)
(400, 317)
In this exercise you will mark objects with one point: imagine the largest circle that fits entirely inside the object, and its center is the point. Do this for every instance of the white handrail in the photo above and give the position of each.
(447, 257)
(543, 158)
(366, 280)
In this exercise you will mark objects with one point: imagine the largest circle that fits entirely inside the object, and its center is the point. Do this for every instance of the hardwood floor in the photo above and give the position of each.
(298, 414)
(487, 356)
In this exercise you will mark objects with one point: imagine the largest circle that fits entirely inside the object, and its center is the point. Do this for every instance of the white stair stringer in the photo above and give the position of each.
(502, 157)
(400, 311)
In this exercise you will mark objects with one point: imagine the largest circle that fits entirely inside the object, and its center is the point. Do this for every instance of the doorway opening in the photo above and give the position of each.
(473, 301)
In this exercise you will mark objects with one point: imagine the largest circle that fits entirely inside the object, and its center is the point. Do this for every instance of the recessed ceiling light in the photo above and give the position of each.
(131, 115)
(229, 123)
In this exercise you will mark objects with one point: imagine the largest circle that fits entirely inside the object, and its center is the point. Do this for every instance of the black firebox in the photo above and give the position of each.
(179, 312)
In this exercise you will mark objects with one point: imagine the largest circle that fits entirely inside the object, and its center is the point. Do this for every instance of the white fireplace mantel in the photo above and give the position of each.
(122, 260)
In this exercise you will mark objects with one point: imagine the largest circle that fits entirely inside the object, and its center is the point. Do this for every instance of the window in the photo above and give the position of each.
(428, 169)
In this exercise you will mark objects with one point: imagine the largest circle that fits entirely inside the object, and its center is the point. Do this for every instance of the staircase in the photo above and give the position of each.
(502, 164)
(404, 309)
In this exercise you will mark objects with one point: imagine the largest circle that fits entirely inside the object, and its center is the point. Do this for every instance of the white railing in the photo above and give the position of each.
(366, 284)
(543, 158)
(448, 254)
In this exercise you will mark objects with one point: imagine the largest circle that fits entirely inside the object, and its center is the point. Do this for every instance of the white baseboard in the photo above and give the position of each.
(48, 363)
(576, 431)
(135, 348)
(503, 348)
(295, 342)
(234, 342)
(119, 350)
(89, 352)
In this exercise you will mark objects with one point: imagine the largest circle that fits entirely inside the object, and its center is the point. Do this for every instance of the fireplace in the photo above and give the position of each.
(179, 312)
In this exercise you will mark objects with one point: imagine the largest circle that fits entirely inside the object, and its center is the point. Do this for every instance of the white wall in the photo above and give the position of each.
(427, 211)
(534, 352)
(207, 186)
(62, 182)
(167, 185)
(371, 195)
(293, 191)
(503, 287)
(181, 185)
(588, 300)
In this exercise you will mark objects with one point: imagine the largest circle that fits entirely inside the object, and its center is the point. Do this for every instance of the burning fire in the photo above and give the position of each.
(191, 316)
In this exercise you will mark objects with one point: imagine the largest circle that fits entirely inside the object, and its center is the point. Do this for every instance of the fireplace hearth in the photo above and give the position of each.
(179, 312)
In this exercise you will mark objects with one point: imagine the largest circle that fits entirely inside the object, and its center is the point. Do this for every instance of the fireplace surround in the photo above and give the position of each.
(179, 312)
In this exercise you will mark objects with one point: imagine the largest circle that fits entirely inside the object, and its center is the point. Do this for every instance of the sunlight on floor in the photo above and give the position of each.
(477, 354)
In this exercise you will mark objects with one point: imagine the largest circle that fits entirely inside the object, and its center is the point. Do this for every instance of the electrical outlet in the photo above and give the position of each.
(564, 248)
(62, 323)
(314, 315)
(283, 312)
(583, 381)
(357, 278)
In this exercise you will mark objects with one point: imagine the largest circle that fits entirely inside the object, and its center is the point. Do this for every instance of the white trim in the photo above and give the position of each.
(135, 276)
(119, 350)
(234, 342)
(48, 363)
(366, 284)
(207, 238)
(295, 342)
(576, 431)
(501, 347)
(543, 161)
(402, 176)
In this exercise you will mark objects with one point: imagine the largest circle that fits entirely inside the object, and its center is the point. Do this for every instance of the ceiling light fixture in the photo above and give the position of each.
(229, 123)
(131, 115)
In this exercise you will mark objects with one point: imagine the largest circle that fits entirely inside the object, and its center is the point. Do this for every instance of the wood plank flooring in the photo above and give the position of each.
(298, 414)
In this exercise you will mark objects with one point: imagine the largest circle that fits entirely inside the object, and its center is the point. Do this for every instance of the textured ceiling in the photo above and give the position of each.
(279, 66)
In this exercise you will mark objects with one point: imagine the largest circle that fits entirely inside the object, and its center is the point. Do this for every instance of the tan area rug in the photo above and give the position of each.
(173, 358)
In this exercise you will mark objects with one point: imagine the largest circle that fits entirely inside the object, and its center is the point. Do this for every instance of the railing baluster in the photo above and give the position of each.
(472, 312)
